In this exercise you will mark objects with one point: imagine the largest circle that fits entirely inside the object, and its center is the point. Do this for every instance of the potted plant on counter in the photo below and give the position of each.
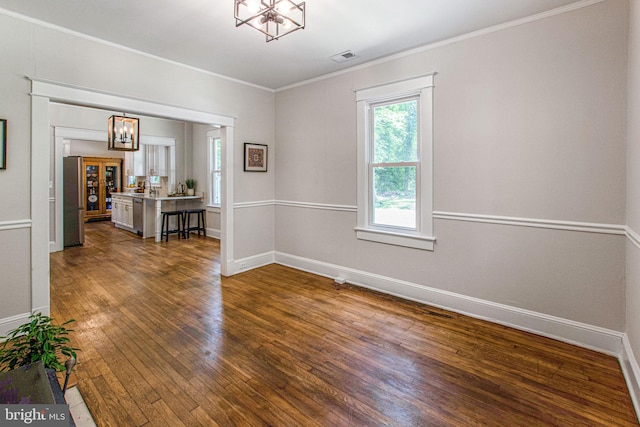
(191, 187)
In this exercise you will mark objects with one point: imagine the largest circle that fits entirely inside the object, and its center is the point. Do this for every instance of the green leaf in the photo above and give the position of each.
(38, 339)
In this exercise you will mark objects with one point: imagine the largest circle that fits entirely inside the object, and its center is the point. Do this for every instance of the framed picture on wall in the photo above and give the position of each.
(3, 144)
(255, 157)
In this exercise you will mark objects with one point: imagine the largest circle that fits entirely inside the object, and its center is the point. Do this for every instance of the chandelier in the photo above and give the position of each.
(124, 133)
(273, 18)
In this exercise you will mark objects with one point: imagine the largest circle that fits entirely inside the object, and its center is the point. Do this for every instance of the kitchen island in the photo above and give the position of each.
(151, 215)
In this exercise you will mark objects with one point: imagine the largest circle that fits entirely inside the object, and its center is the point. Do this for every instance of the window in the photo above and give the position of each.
(395, 143)
(215, 168)
(393, 166)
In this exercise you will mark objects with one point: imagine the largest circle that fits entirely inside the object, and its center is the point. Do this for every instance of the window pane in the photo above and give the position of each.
(216, 188)
(395, 132)
(394, 196)
(217, 149)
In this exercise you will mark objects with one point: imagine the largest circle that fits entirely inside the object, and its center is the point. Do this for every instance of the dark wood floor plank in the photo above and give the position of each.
(166, 341)
(203, 417)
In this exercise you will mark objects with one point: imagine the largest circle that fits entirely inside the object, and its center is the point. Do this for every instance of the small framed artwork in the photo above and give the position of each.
(3, 144)
(255, 157)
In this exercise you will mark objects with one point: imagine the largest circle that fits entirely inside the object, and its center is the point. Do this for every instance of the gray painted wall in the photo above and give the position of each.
(529, 123)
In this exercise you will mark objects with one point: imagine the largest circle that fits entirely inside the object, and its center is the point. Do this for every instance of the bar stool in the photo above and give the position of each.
(202, 226)
(166, 219)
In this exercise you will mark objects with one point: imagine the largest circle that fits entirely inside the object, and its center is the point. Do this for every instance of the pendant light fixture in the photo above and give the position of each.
(124, 133)
(273, 18)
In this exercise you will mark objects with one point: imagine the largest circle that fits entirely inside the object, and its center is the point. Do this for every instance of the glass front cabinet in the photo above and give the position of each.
(102, 177)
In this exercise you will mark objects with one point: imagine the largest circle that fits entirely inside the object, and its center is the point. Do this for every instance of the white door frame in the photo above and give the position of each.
(44, 92)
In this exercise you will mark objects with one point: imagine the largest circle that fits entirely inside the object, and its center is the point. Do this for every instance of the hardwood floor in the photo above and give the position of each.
(166, 342)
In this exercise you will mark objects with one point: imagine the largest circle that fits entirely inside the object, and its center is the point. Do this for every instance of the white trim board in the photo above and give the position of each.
(633, 237)
(588, 227)
(12, 322)
(214, 233)
(253, 204)
(533, 222)
(15, 225)
(249, 263)
(321, 206)
(64, 93)
(9, 323)
(588, 336)
(631, 372)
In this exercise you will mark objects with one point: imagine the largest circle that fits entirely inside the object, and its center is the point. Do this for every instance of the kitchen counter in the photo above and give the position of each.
(148, 197)
(154, 206)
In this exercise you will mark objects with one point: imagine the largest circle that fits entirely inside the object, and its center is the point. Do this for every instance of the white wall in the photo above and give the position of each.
(529, 124)
(92, 149)
(15, 218)
(31, 50)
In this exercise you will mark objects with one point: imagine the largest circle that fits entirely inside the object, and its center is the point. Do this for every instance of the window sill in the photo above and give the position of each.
(213, 208)
(398, 239)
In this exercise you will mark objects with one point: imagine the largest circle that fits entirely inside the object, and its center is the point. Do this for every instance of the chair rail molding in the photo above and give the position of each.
(588, 227)
(633, 237)
(15, 224)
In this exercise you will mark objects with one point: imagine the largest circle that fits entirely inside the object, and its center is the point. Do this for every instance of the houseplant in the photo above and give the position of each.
(37, 340)
(191, 186)
(31, 354)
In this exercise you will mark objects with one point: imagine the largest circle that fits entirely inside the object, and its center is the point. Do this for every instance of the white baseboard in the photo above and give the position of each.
(581, 334)
(12, 322)
(245, 264)
(9, 323)
(212, 232)
(631, 372)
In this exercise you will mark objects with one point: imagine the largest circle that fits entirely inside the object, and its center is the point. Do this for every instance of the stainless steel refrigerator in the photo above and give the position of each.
(73, 201)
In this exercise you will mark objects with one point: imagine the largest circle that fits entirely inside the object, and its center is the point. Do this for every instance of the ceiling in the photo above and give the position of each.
(202, 33)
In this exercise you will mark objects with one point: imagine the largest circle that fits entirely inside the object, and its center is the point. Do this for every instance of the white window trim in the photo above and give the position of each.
(212, 135)
(422, 238)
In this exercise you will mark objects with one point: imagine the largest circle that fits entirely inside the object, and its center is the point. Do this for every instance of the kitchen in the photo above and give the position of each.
(140, 208)
(142, 183)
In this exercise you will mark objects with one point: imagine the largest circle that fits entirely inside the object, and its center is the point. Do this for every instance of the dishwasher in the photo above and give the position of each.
(138, 214)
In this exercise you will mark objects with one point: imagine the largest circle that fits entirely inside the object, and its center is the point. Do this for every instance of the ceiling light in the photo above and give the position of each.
(124, 133)
(253, 6)
(273, 18)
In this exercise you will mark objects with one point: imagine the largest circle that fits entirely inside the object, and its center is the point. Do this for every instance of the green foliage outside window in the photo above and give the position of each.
(395, 141)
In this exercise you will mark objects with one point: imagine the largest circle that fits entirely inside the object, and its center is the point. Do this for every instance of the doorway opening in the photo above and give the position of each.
(43, 94)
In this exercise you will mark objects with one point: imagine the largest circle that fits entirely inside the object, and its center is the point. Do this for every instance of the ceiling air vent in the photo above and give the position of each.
(343, 56)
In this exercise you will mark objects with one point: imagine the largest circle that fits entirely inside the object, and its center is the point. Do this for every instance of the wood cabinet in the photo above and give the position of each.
(102, 176)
